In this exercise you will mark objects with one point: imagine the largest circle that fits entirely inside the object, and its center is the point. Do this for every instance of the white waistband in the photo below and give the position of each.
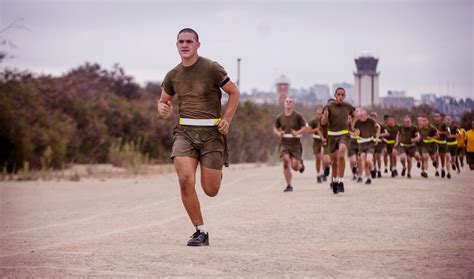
(290, 136)
(316, 136)
(198, 122)
(364, 140)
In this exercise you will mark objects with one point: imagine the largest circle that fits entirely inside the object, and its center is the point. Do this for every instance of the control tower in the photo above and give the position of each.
(282, 88)
(366, 81)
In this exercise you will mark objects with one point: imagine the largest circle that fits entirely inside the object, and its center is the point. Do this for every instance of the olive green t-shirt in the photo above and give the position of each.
(392, 131)
(294, 121)
(430, 131)
(453, 129)
(407, 133)
(337, 117)
(197, 88)
(367, 128)
(442, 127)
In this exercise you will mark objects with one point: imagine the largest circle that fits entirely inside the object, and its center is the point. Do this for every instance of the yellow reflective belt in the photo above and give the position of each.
(316, 136)
(389, 141)
(452, 142)
(198, 122)
(338, 133)
(428, 140)
(290, 136)
(440, 141)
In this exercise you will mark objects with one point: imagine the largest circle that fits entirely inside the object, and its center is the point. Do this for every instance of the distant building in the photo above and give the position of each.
(349, 91)
(366, 81)
(282, 88)
(428, 99)
(320, 92)
(397, 99)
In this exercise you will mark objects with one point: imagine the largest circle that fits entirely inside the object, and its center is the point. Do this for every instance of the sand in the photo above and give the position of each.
(137, 227)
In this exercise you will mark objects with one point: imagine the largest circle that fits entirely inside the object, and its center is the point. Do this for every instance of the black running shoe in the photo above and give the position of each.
(443, 173)
(359, 180)
(340, 185)
(448, 176)
(325, 178)
(373, 173)
(354, 177)
(393, 173)
(403, 171)
(334, 187)
(408, 175)
(453, 166)
(424, 174)
(326, 171)
(418, 164)
(396, 172)
(199, 239)
(319, 179)
(302, 167)
(369, 181)
(354, 170)
(379, 174)
(288, 188)
(385, 171)
(437, 173)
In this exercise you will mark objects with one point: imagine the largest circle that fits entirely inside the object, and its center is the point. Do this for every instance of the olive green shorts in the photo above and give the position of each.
(367, 147)
(390, 148)
(335, 141)
(428, 148)
(204, 143)
(353, 148)
(326, 149)
(409, 150)
(317, 146)
(442, 147)
(453, 150)
(379, 147)
(294, 150)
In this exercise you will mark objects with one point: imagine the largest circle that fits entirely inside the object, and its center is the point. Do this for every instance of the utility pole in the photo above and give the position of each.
(238, 72)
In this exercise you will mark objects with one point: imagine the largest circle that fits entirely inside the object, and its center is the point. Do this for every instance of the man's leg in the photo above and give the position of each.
(186, 170)
(341, 163)
(286, 168)
(385, 158)
(211, 180)
(424, 164)
(409, 166)
(318, 156)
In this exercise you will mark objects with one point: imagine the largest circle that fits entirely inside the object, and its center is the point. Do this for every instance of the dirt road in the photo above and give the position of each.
(137, 227)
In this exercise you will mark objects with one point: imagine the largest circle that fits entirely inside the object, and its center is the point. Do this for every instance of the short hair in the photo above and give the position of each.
(340, 88)
(386, 116)
(189, 30)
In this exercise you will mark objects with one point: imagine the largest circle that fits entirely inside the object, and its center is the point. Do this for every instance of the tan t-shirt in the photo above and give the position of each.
(294, 121)
(197, 88)
(338, 114)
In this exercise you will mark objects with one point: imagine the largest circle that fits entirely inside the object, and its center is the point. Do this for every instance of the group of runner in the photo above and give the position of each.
(339, 126)
(199, 137)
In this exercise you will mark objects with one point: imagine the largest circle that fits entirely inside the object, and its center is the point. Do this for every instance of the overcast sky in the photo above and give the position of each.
(423, 46)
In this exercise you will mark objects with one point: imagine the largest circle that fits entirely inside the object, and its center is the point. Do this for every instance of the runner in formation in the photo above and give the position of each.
(367, 132)
(289, 127)
(408, 138)
(318, 137)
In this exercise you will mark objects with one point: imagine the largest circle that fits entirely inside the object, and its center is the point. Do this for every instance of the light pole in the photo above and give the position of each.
(238, 72)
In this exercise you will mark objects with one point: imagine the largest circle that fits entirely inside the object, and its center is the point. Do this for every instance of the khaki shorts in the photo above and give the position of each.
(379, 147)
(317, 146)
(390, 148)
(334, 141)
(367, 147)
(353, 148)
(294, 150)
(204, 143)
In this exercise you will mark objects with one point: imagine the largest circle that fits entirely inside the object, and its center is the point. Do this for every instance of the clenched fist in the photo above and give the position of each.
(165, 109)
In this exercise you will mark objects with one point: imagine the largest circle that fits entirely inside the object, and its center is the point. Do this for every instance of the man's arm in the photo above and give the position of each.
(231, 107)
(165, 109)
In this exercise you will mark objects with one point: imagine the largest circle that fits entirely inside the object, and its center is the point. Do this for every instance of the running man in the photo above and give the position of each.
(470, 146)
(200, 135)
(289, 126)
(452, 144)
(442, 148)
(314, 129)
(391, 142)
(323, 130)
(461, 139)
(353, 150)
(367, 132)
(335, 115)
(379, 147)
(427, 145)
(408, 138)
